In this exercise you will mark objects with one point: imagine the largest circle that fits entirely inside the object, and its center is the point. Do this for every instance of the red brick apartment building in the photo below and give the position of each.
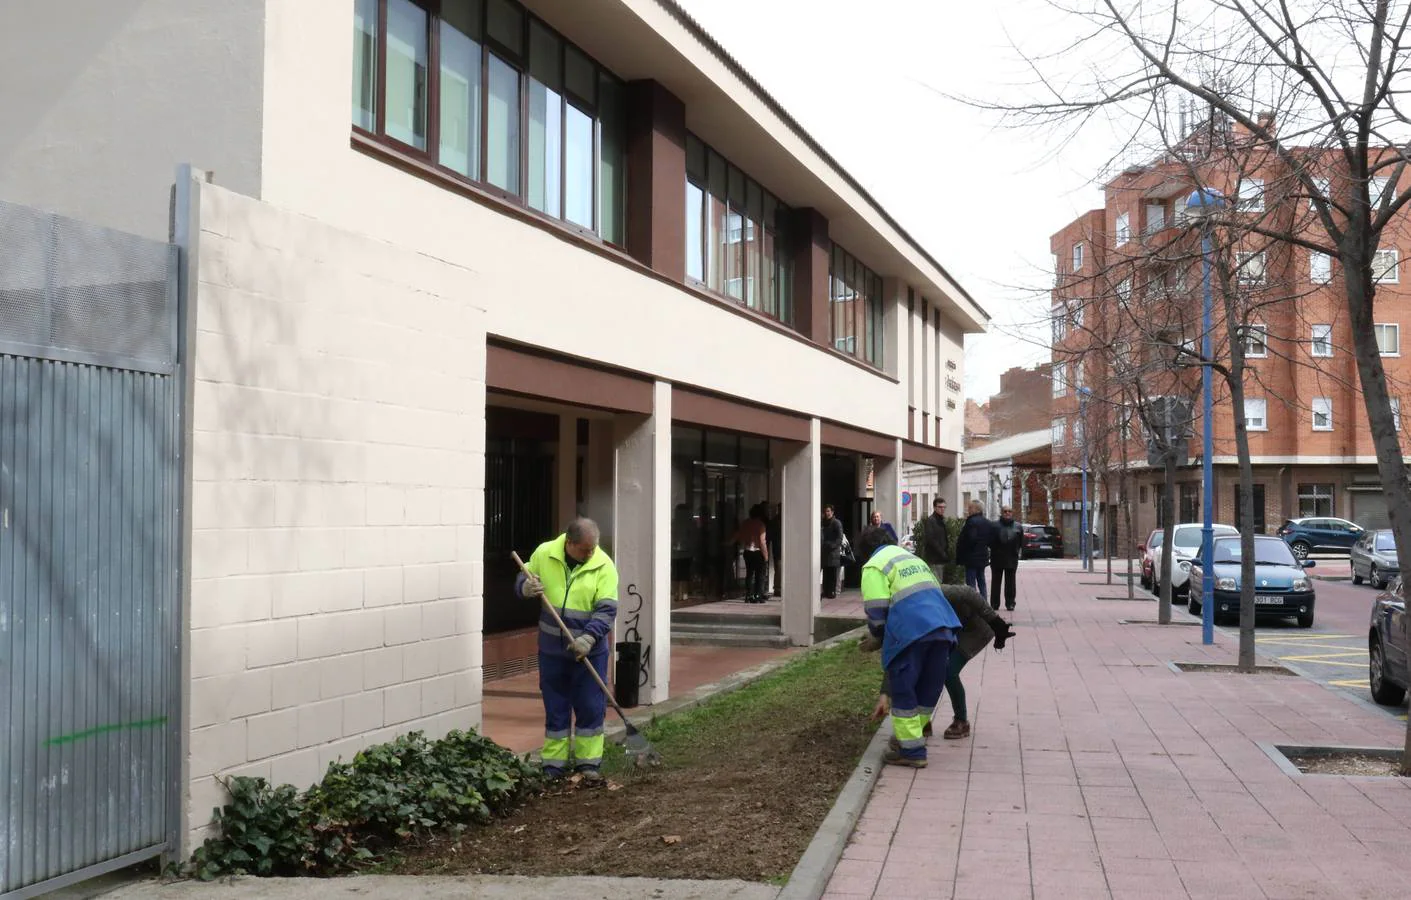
(1128, 277)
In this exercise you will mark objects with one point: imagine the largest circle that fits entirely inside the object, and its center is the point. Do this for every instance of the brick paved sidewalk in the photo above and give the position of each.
(1095, 771)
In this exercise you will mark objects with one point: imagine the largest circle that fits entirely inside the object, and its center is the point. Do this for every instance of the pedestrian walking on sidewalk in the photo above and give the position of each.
(1004, 558)
(979, 625)
(972, 548)
(935, 540)
(916, 627)
(574, 574)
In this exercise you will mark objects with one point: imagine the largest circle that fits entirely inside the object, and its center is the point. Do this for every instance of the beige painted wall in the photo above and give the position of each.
(337, 502)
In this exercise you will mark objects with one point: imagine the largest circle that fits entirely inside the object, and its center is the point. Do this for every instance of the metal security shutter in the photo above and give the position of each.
(1369, 508)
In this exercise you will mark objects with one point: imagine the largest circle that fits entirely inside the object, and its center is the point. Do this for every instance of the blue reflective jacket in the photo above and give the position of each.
(904, 602)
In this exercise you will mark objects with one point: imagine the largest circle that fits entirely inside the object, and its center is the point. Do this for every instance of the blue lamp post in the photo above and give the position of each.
(1083, 394)
(1202, 205)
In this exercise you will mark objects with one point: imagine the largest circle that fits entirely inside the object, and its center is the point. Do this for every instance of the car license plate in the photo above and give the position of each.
(1045, 546)
(1266, 600)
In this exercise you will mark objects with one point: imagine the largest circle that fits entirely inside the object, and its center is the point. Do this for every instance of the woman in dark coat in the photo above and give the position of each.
(833, 538)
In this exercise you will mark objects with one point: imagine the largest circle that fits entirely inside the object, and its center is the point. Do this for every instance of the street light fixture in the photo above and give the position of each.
(1084, 393)
(1202, 206)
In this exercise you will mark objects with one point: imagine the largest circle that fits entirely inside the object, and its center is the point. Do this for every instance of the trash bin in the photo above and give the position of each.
(628, 674)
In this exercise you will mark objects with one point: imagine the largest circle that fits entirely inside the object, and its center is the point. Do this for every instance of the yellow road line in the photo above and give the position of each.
(1351, 682)
(1314, 657)
(1303, 637)
(1323, 662)
(1362, 650)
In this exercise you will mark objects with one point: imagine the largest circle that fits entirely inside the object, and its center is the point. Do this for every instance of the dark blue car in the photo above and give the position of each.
(1282, 589)
(1388, 663)
(1315, 533)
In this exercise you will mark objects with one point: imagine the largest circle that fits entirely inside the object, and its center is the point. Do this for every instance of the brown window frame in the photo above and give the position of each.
(868, 307)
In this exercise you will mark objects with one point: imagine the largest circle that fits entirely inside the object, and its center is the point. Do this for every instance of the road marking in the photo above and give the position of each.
(1362, 650)
(1300, 639)
(1314, 657)
(1352, 683)
(1322, 662)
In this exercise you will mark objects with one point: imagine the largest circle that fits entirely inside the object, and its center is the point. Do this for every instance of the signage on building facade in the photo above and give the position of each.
(906, 498)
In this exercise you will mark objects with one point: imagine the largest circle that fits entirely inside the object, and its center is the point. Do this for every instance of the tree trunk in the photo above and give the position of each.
(1246, 499)
(1106, 530)
(1168, 516)
(1126, 490)
(1048, 499)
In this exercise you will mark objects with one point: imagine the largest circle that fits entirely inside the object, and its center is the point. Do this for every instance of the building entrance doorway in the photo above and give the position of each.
(716, 478)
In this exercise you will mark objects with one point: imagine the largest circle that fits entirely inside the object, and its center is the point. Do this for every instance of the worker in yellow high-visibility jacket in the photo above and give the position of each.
(917, 628)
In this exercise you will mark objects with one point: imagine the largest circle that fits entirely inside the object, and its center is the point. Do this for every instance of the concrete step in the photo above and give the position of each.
(729, 639)
(721, 628)
(761, 619)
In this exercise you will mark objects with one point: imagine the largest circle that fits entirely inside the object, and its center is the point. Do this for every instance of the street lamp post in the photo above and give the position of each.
(1202, 205)
(1083, 539)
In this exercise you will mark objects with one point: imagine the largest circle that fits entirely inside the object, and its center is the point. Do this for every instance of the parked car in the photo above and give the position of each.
(1042, 541)
(1374, 557)
(1282, 588)
(1319, 533)
(1389, 637)
(1185, 544)
(1145, 548)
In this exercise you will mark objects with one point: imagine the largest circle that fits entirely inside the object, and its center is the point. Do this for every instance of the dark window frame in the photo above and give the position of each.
(864, 289)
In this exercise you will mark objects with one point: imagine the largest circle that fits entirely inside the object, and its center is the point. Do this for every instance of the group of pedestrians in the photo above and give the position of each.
(982, 544)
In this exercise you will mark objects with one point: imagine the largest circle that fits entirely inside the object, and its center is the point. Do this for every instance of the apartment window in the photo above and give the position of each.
(1060, 322)
(1060, 379)
(1315, 501)
(1190, 502)
(1155, 217)
(1124, 291)
(1078, 315)
(1078, 374)
(1376, 190)
(1058, 432)
(1322, 345)
(1257, 494)
(1386, 266)
(1322, 188)
(855, 292)
(1256, 415)
(1078, 256)
(1388, 339)
(489, 93)
(1124, 228)
(1250, 267)
(1320, 267)
(1396, 412)
(1322, 414)
(1256, 341)
(736, 238)
(1251, 195)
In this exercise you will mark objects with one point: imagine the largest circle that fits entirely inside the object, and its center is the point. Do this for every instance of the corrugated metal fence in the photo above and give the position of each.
(89, 492)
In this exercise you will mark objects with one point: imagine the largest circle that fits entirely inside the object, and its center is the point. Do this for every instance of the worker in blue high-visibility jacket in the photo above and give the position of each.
(574, 574)
(916, 627)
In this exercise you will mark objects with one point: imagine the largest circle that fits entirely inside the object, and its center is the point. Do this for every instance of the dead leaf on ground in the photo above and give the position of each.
(567, 850)
(614, 786)
(519, 828)
(670, 839)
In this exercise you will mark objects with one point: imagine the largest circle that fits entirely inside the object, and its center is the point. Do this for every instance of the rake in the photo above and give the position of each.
(639, 750)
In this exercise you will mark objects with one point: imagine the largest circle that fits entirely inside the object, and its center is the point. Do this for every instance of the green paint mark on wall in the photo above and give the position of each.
(104, 729)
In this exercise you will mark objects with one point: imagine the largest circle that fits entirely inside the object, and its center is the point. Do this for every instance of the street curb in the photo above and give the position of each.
(810, 877)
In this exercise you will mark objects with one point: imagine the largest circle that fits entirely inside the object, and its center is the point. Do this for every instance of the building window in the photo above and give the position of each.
(1058, 432)
(1396, 412)
(1124, 228)
(1388, 339)
(1060, 322)
(736, 235)
(498, 98)
(1190, 502)
(1256, 415)
(1320, 267)
(1257, 493)
(1124, 291)
(1321, 188)
(1078, 315)
(855, 295)
(1251, 195)
(1250, 267)
(1315, 501)
(1256, 341)
(1386, 266)
(1060, 379)
(1322, 341)
(1322, 414)
(1078, 256)
(1155, 217)
(1376, 190)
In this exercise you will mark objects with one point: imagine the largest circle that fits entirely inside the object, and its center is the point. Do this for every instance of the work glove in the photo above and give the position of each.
(869, 644)
(1002, 634)
(532, 586)
(582, 646)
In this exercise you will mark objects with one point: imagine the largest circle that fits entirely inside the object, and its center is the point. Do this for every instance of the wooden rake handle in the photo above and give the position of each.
(558, 620)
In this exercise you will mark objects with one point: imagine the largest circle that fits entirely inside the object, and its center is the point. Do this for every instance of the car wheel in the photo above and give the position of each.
(1356, 579)
(1384, 692)
(1193, 605)
(1375, 578)
(1300, 549)
(1305, 620)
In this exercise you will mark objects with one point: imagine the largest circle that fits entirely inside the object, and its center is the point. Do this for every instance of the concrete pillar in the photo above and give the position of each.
(948, 488)
(598, 472)
(803, 503)
(566, 476)
(886, 487)
(643, 531)
(812, 252)
(656, 176)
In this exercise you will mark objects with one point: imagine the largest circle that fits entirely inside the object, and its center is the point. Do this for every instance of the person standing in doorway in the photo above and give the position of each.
(935, 540)
(1004, 558)
(833, 539)
(972, 547)
(682, 538)
(574, 574)
(775, 534)
(754, 543)
(876, 520)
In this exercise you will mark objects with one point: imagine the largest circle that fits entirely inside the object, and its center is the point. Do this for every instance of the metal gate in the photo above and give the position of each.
(89, 491)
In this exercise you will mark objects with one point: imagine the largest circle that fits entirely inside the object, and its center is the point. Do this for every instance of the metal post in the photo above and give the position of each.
(1083, 502)
(1207, 529)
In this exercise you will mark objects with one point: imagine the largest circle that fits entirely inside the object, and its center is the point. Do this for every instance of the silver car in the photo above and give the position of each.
(1374, 558)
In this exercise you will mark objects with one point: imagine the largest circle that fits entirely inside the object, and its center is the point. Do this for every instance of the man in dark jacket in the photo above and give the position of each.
(972, 548)
(1004, 558)
(978, 627)
(935, 540)
(833, 539)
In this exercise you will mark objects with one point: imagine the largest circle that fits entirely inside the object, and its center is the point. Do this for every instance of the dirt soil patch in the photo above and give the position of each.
(746, 782)
(1230, 669)
(1347, 762)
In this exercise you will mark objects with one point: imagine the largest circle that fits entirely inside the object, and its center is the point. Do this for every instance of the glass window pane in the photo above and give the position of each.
(612, 163)
(695, 252)
(695, 159)
(365, 64)
(545, 56)
(767, 288)
(580, 76)
(464, 16)
(716, 212)
(578, 168)
(406, 72)
(460, 101)
(506, 25)
(502, 148)
(737, 189)
(545, 149)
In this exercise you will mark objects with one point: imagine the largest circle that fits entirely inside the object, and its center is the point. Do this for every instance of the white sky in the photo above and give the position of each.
(983, 198)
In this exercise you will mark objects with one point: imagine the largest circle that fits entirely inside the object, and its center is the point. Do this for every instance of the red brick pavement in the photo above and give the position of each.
(1095, 771)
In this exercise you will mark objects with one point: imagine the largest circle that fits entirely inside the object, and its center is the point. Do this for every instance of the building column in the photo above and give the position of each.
(802, 511)
(886, 489)
(566, 474)
(656, 178)
(948, 489)
(642, 527)
(598, 470)
(813, 250)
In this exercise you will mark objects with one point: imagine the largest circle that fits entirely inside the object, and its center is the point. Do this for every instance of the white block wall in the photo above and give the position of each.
(338, 502)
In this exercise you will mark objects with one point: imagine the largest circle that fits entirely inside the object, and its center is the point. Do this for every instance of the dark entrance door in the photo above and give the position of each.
(519, 513)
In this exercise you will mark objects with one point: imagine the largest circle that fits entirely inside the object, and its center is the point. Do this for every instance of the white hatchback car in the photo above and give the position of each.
(1185, 543)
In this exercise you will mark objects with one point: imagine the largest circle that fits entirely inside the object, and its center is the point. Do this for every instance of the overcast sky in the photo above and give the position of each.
(866, 82)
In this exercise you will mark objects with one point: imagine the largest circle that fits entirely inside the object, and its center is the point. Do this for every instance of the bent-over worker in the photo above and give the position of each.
(574, 574)
(917, 628)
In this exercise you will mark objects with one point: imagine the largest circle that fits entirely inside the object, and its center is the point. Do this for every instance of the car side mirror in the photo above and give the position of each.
(1309, 563)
